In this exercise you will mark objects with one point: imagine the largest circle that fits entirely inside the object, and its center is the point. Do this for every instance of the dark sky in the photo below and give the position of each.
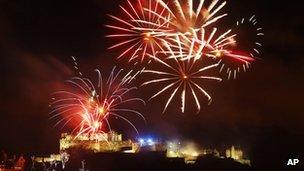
(38, 37)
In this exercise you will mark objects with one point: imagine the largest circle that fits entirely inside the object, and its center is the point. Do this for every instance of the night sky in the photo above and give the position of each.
(262, 109)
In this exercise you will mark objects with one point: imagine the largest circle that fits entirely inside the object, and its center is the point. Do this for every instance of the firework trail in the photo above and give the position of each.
(139, 31)
(199, 45)
(227, 47)
(89, 106)
(200, 39)
(185, 17)
(183, 35)
(180, 77)
(244, 49)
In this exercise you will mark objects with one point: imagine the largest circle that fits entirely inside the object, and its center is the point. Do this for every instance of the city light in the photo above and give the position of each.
(146, 141)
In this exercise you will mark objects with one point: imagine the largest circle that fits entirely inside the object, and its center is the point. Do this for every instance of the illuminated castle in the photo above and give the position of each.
(234, 153)
(112, 142)
(101, 142)
(237, 155)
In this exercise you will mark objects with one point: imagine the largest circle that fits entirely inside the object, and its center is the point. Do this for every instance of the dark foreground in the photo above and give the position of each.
(152, 161)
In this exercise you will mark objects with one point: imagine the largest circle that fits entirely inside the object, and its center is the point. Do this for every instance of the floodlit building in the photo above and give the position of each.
(189, 152)
(113, 142)
(101, 142)
(236, 154)
(51, 158)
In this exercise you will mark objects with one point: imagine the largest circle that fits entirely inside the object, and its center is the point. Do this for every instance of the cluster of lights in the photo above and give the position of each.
(146, 141)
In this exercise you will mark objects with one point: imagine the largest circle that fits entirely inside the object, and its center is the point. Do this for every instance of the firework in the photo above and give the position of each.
(185, 17)
(253, 31)
(200, 45)
(226, 47)
(180, 76)
(244, 49)
(140, 31)
(180, 36)
(201, 40)
(89, 106)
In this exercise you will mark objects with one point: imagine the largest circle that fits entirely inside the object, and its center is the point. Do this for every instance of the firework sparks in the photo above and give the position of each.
(250, 25)
(141, 31)
(192, 25)
(180, 36)
(188, 24)
(222, 46)
(90, 106)
(185, 17)
(198, 45)
(238, 55)
(180, 76)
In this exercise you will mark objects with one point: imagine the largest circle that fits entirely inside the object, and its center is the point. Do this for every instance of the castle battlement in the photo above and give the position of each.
(100, 142)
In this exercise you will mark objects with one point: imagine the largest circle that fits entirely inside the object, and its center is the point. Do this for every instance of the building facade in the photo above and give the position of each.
(101, 142)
